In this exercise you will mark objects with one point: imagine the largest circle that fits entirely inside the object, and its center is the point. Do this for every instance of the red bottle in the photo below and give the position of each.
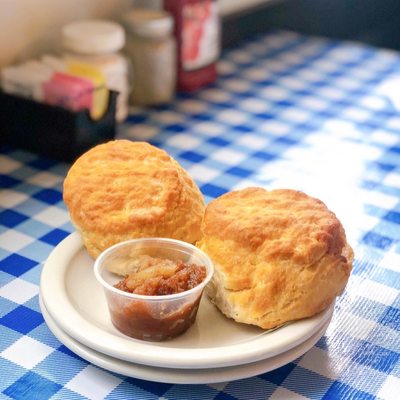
(198, 44)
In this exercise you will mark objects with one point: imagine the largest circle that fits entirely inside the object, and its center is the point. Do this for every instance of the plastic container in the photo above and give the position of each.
(99, 43)
(197, 33)
(52, 130)
(151, 49)
(25, 80)
(152, 318)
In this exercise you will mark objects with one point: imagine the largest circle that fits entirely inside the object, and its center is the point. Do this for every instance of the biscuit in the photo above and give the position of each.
(279, 255)
(122, 190)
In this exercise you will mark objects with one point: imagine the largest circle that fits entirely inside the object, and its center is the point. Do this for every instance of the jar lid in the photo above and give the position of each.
(93, 37)
(148, 22)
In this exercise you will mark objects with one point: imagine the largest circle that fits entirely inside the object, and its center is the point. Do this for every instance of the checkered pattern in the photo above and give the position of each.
(287, 111)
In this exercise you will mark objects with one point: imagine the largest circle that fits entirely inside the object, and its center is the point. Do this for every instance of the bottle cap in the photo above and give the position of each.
(93, 37)
(149, 23)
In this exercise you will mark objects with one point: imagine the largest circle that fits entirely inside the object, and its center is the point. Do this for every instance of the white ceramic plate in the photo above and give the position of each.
(76, 302)
(173, 375)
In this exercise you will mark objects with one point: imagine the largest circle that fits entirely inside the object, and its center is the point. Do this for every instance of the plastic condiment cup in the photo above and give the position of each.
(152, 318)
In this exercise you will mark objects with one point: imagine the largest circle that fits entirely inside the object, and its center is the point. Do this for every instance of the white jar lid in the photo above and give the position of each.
(149, 23)
(93, 37)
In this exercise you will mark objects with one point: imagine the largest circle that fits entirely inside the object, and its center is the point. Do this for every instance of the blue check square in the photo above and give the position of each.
(395, 149)
(42, 163)
(391, 318)
(393, 216)
(11, 218)
(340, 390)
(385, 166)
(175, 128)
(263, 155)
(8, 181)
(192, 156)
(201, 117)
(377, 240)
(22, 319)
(243, 128)
(218, 141)
(212, 190)
(285, 103)
(376, 357)
(237, 171)
(286, 140)
(227, 396)
(49, 196)
(32, 386)
(54, 237)
(135, 118)
(159, 389)
(16, 265)
(279, 375)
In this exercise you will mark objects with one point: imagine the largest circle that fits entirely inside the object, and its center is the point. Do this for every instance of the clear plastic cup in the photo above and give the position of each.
(152, 318)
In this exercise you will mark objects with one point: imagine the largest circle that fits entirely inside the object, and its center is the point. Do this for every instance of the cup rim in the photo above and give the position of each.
(168, 297)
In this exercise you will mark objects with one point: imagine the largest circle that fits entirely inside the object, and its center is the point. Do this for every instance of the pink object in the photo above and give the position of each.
(68, 91)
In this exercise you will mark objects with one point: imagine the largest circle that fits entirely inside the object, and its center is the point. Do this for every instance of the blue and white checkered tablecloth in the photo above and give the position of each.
(287, 111)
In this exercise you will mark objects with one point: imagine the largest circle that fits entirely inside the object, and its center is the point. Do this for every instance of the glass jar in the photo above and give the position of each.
(151, 49)
(99, 42)
(197, 32)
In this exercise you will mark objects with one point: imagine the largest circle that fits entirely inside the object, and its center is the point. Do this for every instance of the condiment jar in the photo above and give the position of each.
(151, 49)
(197, 32)
(99, 42)
(151, 317)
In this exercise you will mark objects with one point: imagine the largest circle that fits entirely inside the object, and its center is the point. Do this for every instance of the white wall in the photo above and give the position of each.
(32, 27)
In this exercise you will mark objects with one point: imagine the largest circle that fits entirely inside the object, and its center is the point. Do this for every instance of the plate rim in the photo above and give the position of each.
(55, 297)
(176, 376)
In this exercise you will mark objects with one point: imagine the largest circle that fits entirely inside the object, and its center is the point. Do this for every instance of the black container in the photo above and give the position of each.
(53, 131)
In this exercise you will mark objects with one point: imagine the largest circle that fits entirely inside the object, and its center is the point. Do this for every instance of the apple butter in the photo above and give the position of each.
(156, 319)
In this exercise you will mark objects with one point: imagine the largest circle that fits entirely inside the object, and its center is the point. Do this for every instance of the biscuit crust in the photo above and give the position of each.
(122, 190)
(279, 255)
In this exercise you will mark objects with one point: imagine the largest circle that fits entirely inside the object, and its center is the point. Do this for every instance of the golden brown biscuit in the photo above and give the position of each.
(279, 255)
(122, 190)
